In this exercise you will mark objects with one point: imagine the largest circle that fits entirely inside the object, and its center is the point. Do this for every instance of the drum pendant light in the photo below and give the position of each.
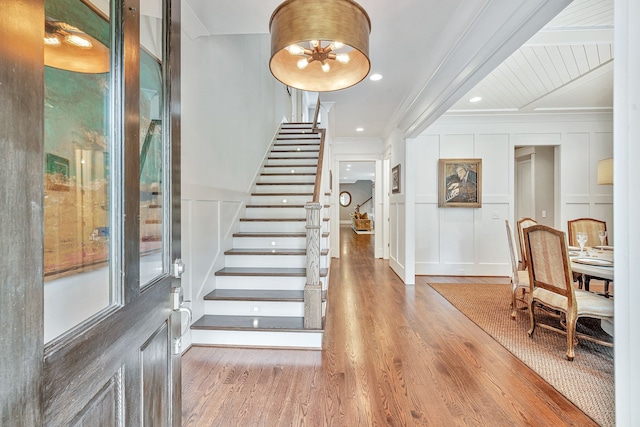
(320, 45)
(68, 48)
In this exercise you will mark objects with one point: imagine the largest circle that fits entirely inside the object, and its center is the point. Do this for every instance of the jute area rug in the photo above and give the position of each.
(588, 381)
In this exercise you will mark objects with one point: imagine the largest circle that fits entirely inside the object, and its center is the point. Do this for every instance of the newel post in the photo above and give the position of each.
(313, 287)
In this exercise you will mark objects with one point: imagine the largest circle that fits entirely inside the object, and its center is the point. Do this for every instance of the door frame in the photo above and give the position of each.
(31, 371)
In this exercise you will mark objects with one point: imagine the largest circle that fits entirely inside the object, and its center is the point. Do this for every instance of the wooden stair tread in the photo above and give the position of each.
(282, 194)
(288, 136)
(252, 323)
(285, 183)
(281, 206)
(276, 219)
(257, 295)
(289, 174)
(291, 165)
(273, 234)
(271, 272)
(295, 151)
(276, 206)
(260, 251)
(296, 158)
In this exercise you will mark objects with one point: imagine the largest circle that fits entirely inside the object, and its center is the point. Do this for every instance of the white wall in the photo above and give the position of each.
(231, 105)
(459, 241)
(231, 109)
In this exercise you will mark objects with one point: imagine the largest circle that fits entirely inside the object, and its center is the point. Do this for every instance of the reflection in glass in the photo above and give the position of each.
(77, 144)
(152, 200)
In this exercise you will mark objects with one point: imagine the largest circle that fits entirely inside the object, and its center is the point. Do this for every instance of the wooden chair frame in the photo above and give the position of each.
(519, 278)
(521, 225)
(544, 246)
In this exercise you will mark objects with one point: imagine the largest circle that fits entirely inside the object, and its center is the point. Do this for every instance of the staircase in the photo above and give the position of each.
(259, 295)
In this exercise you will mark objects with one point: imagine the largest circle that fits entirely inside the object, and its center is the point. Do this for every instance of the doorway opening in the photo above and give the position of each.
(535, 184)
(357, 196)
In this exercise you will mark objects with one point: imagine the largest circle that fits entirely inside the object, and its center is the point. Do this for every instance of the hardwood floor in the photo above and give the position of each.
(393, 355)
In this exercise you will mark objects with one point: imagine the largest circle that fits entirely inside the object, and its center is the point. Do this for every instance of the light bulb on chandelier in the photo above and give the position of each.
(319, 54)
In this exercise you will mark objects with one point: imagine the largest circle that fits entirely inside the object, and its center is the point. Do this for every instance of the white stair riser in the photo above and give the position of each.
(301, 131)
(308, 149)
(306, 179)
(261, 282)
(274, 188)
(295, 156)
(258, 338)
(286, 199)
(297, 134)
(274, 242)
(270, 261)
(288, 169)
(255, 308)
(286, 161)
(279, 226)
(294, 145)
(275, 212)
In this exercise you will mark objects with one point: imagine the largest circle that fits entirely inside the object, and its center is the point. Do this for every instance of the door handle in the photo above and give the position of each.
(177, 268)
(177, 341)
(177, 304)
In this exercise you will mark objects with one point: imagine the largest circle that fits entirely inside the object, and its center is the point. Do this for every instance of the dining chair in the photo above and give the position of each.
(522, 224)
(590, 226)
(551, 286)
(519, 278)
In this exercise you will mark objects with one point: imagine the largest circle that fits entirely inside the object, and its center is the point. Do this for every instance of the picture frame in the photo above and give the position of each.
(460, 183)
(57, 173)
(395, 179)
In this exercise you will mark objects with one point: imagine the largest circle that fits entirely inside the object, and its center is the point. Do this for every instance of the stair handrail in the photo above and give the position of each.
(318, 183)
(313, 287)
(316, 114)
(357, 208)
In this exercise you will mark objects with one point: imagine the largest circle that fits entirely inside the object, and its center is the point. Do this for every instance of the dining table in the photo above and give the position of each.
(597, 262)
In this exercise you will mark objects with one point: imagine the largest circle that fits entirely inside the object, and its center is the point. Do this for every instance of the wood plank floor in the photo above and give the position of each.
(393, 355)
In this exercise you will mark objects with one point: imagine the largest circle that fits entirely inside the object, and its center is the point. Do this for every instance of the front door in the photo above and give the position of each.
(89, 207)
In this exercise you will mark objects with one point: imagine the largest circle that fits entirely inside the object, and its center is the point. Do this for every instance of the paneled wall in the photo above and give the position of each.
(209, 218)
(464, 241)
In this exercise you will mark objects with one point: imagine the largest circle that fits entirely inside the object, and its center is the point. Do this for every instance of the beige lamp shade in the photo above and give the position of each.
(605, 172)
(331, 41)
(68, 48)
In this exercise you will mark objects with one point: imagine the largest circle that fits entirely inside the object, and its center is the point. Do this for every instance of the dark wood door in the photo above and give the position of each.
(119, 365)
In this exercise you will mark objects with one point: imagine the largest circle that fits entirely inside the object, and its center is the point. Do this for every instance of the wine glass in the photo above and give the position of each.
(602, 234)
(582, 240)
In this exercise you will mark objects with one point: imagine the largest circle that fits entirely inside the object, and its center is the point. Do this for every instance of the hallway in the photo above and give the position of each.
(393, 355)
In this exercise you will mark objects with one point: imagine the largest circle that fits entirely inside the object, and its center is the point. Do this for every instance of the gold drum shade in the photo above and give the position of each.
(68, 48)
(299, 22)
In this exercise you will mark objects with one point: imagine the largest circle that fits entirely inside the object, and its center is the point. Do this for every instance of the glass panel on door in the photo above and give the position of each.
(77, 126)
(153, 198)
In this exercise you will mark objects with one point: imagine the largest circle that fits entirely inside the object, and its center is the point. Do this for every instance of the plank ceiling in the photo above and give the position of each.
(567, 66)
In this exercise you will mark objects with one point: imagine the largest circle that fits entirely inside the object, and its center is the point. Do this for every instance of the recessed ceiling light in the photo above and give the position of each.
(375, 77)
(359, 129)
(476, 99)
(348, 166)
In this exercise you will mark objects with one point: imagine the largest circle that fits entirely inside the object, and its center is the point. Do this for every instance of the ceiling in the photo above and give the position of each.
(352, 171)
(434, 55)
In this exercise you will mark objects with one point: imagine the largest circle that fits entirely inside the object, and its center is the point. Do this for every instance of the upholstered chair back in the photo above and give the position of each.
(591, 227)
